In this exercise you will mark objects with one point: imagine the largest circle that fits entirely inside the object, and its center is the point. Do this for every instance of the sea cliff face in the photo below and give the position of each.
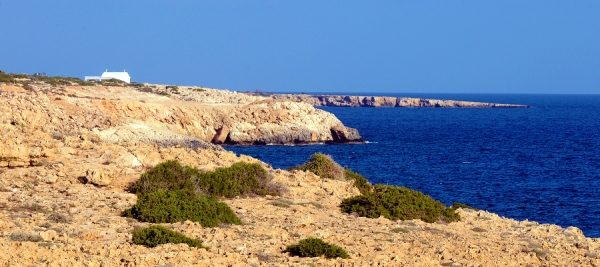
(383, 101)
(210, 116)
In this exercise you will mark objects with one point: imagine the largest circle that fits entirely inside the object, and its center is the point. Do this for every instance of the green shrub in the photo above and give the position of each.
(6, 78)
(238, 179)
(315, 247)
(457, 205)
(323, 166)
(400, 230)
(169, 175)
(360, 181)
(157, 235)
(25, 237)
(179, 205)
(398, 203)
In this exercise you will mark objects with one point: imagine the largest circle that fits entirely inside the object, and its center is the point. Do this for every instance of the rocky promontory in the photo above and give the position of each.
(388, 101)
(189, 114)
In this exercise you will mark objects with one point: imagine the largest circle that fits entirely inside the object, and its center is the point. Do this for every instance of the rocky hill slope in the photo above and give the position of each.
(68, 154)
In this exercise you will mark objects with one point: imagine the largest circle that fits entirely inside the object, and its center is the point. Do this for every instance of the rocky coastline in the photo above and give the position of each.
(385, 101)
(68, 154)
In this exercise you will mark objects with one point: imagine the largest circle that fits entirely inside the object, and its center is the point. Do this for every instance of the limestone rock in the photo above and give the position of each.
(97, 177)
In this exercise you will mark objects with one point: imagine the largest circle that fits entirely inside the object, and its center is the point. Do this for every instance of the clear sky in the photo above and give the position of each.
(313, 46)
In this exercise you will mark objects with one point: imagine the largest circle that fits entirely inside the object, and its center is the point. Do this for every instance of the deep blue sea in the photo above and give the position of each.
(541, 163)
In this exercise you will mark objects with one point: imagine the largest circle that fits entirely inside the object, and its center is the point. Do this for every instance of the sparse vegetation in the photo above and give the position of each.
(398, 203)
(360, 181)
(286, 203)
(241, 178)
(457, 205)
(478, 229)
(170, 192)
(315, 247)
(30, 207)
(325, 167)
(25, 237)
(400, 230)
(172, 206)
(58, 218)
(157, 235)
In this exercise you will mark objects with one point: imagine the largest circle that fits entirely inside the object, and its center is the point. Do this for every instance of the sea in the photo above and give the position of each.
(540, 163)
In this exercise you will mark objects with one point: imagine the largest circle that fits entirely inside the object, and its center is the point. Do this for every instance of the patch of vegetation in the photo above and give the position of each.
(360, 181)
(170, 206)
(198, 90)
(325, 167)
(157, 235)
(112, 82)
(173, 88)
(398, 203)
(25, 237)
(286, 203)
(457, 205)
(58, 218)
(283, 203)
(241, 178)
(478, 230)
(31, 207)
(6, 78)
(400, 230)
(46, 244)
(315, 247)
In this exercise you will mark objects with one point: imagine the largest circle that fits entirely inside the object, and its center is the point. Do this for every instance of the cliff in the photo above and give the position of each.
(67, 156)
(385, 101)
(208, 116)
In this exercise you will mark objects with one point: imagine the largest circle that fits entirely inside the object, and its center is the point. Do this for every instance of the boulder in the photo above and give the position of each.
(97, 177)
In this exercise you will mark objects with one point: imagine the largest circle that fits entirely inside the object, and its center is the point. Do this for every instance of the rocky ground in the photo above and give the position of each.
(67, 155)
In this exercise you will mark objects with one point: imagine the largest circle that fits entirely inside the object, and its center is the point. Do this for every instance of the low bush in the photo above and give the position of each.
(6, 78)
(457, 205)
(169, 175)
(170, 206)
(398, 203)
(325, 167)
(238, 179)
(25, 237)
(157, 235)
(58, 218)
(315, 247)
(360, 181)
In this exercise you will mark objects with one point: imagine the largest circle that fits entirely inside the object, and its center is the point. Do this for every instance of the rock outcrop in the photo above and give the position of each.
(385, 101)
(189, 118)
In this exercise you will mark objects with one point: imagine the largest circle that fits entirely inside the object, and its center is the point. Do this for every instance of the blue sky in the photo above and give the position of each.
(313, 46)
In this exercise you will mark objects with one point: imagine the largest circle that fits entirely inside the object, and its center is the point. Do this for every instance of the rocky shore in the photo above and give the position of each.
(68, 153)
(384, 101)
